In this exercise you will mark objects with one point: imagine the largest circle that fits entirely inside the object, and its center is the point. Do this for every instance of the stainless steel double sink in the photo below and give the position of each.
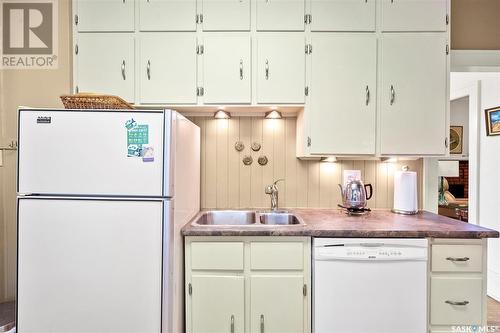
(246, 217)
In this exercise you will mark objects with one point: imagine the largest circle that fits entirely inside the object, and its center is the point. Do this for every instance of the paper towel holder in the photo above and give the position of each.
(405, 168)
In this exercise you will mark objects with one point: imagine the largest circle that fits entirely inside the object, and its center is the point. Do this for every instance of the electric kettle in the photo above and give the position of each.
(354, 195)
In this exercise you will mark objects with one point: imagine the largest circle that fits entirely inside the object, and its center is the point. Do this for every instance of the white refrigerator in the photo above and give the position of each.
(102, 195)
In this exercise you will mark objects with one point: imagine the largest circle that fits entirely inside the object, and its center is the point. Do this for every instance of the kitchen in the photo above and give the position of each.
(243, 153)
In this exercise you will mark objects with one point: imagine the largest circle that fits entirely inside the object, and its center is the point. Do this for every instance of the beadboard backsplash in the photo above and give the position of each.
(227, 183)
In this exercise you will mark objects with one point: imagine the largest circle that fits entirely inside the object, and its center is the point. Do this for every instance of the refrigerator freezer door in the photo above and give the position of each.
(95, 152)
(91, 265)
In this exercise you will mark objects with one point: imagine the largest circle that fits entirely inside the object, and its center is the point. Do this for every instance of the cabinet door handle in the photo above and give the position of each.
(393, 94)
(261, 323)
(460, 259)
(241, 69)
(267, 69)
(123, 70)
(232, 323)
(462, 303)
(367, 101)
(148, 70)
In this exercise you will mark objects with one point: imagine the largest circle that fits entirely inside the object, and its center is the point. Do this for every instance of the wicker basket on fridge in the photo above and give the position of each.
(94, 101)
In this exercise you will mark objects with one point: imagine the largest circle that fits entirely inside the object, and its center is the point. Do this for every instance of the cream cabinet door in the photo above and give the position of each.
(277, 304)
(217, 304)
(343, 15)
(105, 15)
(167, 68)
(105, 64)
(414, 15)
(280, 15)
(280, 68)
(167, 15)
(226, 15)
(456, 300)
(343, 94)
(226, 69)
(413, 94)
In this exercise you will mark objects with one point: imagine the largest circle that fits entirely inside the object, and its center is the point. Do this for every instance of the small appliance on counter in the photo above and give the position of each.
(355, 196)
(405, 192)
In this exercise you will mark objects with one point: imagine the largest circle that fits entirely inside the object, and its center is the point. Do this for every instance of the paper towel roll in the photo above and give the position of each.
(405, 192)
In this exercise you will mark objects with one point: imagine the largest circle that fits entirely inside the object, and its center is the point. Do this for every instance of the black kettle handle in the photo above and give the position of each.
(368, 196)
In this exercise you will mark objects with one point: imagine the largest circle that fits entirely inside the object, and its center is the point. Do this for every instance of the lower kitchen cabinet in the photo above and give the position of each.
(217, 303)
(457, 284)
(277, 303)
(264, 294)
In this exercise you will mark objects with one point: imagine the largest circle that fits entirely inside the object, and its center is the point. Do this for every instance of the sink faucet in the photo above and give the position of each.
(272, 190)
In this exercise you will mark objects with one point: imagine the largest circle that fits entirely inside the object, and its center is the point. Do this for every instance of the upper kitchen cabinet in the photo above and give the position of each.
(280, 15)
(414, 15)
(226, 69)
(105, 64)
(167, 15)
(104, 15)
(225, 15)
(167, 68)
(342, 15)
(413, 94)
(342, 97)
(280, 68)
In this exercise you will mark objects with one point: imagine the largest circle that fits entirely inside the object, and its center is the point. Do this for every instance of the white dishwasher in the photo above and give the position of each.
(369, 285)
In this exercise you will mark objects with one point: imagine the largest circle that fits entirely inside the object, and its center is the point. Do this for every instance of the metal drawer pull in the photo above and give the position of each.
(148, 70)
(367, 95)
(261, 323)
(463, 303)
(241, 69)
(123, 70)
(393, 94)
(458, 259)
(267, 69)
(232, 323)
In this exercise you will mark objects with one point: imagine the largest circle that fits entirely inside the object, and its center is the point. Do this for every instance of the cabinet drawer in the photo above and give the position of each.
(217, 256)
(457, 258)
(277, 256)
(467, 292)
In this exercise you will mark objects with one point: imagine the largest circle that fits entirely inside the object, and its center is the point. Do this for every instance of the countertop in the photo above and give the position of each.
(380, 223)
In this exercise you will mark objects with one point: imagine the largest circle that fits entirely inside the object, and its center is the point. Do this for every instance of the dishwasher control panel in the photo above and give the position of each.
(370, 253)
(370, 250)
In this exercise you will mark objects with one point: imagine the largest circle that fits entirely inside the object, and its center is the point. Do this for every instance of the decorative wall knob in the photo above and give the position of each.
(262, 160)
(247, 160)
(256, 146)
(239, 146)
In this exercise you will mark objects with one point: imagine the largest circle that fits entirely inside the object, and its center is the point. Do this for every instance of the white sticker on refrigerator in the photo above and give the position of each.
(138, 141)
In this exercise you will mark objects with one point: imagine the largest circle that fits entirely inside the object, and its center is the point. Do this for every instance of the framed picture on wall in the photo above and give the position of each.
(456, 139)
(493, 121)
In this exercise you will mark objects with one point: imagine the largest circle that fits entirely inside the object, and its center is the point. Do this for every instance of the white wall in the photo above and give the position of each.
(459, 116)
(485, 90)
(489, 183)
